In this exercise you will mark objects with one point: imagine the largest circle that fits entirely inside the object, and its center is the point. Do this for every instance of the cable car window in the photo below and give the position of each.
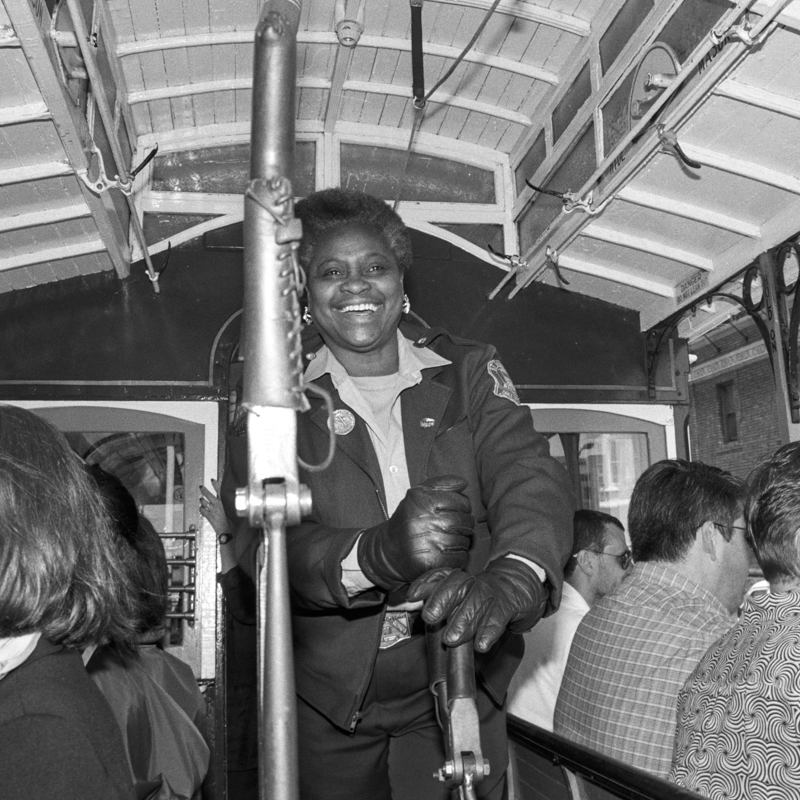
(604, 467)
(376, 170)
(151, 467)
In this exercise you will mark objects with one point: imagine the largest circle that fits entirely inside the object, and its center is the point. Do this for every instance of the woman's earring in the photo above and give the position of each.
(406, 304)
(307, 316)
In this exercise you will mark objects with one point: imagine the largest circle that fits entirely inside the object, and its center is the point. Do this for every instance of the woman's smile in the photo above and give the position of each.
(355, 291)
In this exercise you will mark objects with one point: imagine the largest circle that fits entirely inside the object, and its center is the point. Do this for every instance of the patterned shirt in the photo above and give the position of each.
(629, 658)
(738, 734)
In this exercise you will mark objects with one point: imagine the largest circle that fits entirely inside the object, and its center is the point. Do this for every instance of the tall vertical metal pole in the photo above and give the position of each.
(272, 394)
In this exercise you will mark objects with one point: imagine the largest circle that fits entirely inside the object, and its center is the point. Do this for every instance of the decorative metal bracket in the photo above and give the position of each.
(759, 304)
(660, 333)
(740, 32)
(101, 183)
(570, 200)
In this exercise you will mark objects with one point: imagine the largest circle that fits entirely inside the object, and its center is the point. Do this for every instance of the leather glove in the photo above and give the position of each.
(430, 528)
(508, 594)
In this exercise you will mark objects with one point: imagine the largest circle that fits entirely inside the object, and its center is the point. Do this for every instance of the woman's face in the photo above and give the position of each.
(355, 291)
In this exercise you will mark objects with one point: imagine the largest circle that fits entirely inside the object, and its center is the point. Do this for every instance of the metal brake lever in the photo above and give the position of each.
(452, 673)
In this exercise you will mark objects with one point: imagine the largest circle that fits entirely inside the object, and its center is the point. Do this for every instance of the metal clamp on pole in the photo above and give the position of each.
(452, 676)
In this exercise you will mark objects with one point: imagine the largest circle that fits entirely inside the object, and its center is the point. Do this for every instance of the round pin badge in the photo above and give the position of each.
(343, 421)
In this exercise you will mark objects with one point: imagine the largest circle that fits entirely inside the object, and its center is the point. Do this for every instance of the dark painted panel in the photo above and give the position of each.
(622, 27)
(531, 162)
(545, 335)
(103, 329)
(572, 101)
(110, 330)
(573, 171)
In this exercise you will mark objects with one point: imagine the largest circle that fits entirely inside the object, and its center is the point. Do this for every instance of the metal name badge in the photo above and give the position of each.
(503, 387)
(343, 422)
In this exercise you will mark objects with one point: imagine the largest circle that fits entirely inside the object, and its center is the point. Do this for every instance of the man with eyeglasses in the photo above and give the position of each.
(635, 648)
(600, 561)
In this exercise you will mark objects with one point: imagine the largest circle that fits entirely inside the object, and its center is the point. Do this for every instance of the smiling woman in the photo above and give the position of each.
(439, 491)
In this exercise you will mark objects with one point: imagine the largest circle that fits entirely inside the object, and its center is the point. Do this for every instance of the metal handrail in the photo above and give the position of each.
(622, 780)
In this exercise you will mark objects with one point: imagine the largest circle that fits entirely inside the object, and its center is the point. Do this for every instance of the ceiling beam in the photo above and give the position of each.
(531, 12)
(328, 38)
(679, 208)
(393, 89)
(45, 216)
(30, 112)
(632, 278)
(34, 172)
(398, 90)
(745, 169)
(761, 98)
(50, 254)
(643, 245)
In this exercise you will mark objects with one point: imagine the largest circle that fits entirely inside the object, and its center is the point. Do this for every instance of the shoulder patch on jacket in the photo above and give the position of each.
(503, 387)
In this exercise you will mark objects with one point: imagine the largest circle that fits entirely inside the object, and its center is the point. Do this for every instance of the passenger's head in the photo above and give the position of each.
(773, 514)
(322, 212)
(600, 558)
(140, 550)
(59, 573)
(672, 499)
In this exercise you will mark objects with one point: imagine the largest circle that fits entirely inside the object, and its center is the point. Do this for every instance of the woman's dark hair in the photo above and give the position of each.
(589, 533)
(140, 550)
(672, 499)
(330, 208)
(772, 512)
(59, 572)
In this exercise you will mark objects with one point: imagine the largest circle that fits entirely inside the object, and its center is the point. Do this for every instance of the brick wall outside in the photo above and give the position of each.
(756, 416)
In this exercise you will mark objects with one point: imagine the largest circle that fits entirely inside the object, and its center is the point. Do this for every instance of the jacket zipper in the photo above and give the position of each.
(354, 720)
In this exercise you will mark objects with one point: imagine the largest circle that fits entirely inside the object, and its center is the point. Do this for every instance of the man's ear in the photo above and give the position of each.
(708, 536)
(585, 562)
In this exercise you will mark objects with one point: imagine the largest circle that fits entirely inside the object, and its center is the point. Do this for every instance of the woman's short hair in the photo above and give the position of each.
(59, 574)
(772, 512)
(672, 499)
(140, 550)
(330, 208)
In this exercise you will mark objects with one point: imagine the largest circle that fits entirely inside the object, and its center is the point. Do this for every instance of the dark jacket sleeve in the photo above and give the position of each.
(315, 549)
(527, 493)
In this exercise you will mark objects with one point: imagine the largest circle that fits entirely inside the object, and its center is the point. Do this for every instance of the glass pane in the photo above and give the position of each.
(376, 170)
(151, 467)
(604, 467)
(609, 465)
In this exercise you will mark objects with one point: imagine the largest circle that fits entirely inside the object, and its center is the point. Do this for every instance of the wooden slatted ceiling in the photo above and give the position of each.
(223, 71)
(46, 229)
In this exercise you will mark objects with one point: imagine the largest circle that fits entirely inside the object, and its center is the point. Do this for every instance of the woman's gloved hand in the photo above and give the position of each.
(431, 528)
(507, 594)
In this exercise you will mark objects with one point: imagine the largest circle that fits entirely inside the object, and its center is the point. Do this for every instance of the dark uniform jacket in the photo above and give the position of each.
(520, 497)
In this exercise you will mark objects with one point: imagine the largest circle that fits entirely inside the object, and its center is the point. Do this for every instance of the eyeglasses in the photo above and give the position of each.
(625, 559)
(732, 527)
(742, 528)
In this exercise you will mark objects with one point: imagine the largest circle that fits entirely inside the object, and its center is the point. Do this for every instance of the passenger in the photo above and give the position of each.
(635, 648)
(61, 589)
(738, 733)
(241, 673)
(153, 694)
(600, 561)
(429, 432)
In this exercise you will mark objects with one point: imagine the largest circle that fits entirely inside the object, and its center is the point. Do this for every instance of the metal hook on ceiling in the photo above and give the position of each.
(669, 140)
